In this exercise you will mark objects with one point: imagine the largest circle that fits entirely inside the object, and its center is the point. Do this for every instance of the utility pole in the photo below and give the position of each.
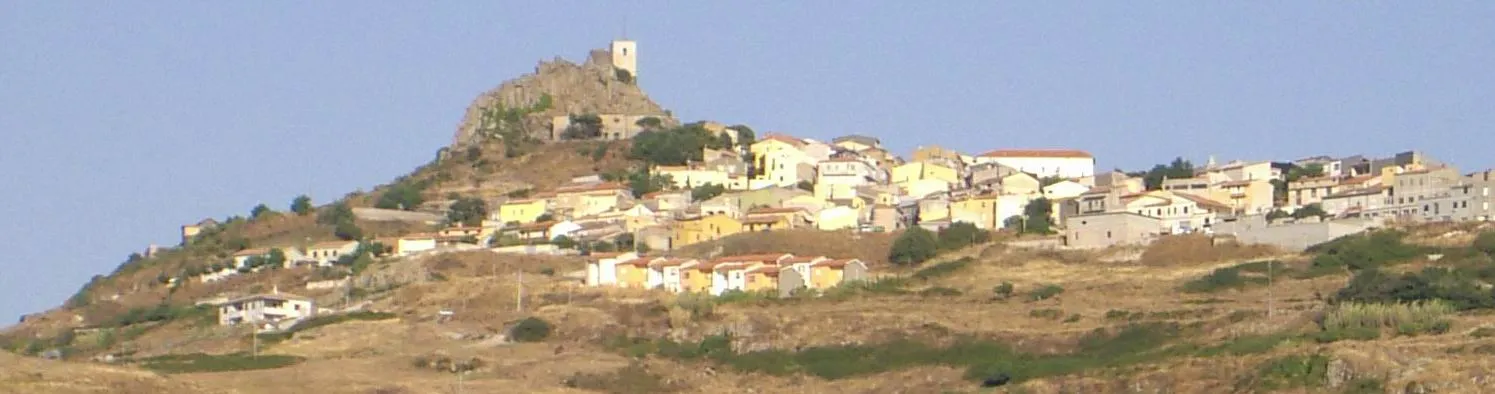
(254, 340)
(519, 294)
(1269, 289)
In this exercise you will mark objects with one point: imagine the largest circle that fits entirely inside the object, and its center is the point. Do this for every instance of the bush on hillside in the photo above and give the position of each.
(1463, 292)
(1363, 251)
(1231, 277)
(943, 269)
(961, 234)
(1422, 317)
(1485, 242)
(531, 329)
(914, 246)
(1045, 292)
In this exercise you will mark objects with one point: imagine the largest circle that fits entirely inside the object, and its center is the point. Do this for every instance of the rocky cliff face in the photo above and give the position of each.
(592, 87)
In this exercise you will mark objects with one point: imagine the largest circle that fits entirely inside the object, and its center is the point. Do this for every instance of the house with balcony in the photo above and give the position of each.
(265, 309)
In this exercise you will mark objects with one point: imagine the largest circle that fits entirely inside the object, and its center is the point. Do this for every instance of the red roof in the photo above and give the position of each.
(750, 258)
(801, 259)
(762, 219)
(785, 139)
(670, 262)
(834, 263)
(767, 210)
(639, 262)
(590, 188)
(1065, 153)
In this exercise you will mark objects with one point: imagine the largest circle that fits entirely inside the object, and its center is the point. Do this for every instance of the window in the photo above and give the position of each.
(1108, 235)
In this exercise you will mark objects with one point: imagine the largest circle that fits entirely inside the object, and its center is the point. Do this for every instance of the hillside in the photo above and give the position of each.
(1071, 323)
(22, 375)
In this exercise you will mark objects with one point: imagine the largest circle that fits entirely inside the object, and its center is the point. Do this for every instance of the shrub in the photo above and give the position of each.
(1045, 313)
(914, 246)
(1433, 283)
(1072, 318)
(1045, 292)
(1355, 320)
(1003, 291)
(1485, 242)
(530, 329)
(961, 234)
(1362, 251)
(1483, 332)
(1117, 314)
(1292, 372)
(198, 362)
(938, 291)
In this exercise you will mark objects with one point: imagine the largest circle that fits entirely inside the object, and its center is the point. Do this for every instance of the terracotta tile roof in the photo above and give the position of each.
(801, 259)
(729, 266)
(767, 258)
(536, 226)
(670, 262)
(639, 262)
(762, 219)
(1359, 179)
(1203, 202)
(834, 263)
(767, 210)
(274, 296)
(785, 139)
(1065, 153)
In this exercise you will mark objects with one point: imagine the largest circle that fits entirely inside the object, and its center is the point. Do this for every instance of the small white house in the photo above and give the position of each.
(1064, 189)
(265, 308)
(242, 257)
(564, 228)
(324, 253)
(412, 244)
(1060, 163)
(602, 268)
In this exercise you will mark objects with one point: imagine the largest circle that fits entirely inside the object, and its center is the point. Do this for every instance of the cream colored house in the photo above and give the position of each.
(325, 253)
(1058, 163)
(1308, 191)
(602, 268)
(1064, 189)
(589, 200)
(690, 176)
(782, 160)
(265, 309)
(838, 218)
(1021, 183)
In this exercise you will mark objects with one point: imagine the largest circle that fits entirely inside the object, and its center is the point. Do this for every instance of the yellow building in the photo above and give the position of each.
(762, 278)
(782, 160)
(588, 200)
(686, 177)
(980, 210)
(634, 273)
(697, 278)
(704, 228)
(913, 171)
(522, 211)
(830, 273)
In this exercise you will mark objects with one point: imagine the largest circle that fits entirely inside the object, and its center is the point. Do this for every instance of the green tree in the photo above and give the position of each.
(706, 192)
(1179, 168)
(403, 195)
(530, 330)
(276, 259)
(301, 205)
(1307, 171)
(914, 246)
(961, 234)
(336, 213)
(259, 211)
(467, 211)
(583, 127)
(1036, 216)
(544, 217)
(672, 147)
(563, 242)
(650, 123)
(347, 231)
(1278, 214)
(623, 75)
(640, 182)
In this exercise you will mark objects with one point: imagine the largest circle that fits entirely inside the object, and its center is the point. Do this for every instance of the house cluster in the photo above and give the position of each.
(1405, 187)
(781, 273)
(781, 182)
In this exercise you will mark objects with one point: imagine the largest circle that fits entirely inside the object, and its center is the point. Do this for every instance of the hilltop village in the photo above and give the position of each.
(706, 181)
(574, 233)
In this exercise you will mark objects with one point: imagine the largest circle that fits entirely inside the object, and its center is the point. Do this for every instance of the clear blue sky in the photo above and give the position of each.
(120, 121)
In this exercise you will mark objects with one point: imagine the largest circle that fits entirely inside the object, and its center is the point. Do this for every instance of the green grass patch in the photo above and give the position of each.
(1296, 371)
(1357, 320)
(1052, 314)
(1045, 292)
(1483, 332)
(1361, 251)
(1235, 277)
(940, 291)
(198, 362)
(982, 358)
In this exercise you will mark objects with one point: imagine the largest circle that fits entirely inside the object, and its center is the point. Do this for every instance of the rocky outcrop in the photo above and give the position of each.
(592, 87)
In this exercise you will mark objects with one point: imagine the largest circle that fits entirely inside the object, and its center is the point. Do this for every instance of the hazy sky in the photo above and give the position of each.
(120, 121)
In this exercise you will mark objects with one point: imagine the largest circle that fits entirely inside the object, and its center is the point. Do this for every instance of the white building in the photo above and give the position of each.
(1043, 163)
(265, 308)
(602, 268)
(325, 253)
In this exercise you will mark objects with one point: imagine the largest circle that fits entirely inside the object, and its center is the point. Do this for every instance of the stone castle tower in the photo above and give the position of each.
(625, 56)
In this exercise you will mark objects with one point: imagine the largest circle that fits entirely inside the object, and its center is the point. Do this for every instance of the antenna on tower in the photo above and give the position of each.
(625, 25)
